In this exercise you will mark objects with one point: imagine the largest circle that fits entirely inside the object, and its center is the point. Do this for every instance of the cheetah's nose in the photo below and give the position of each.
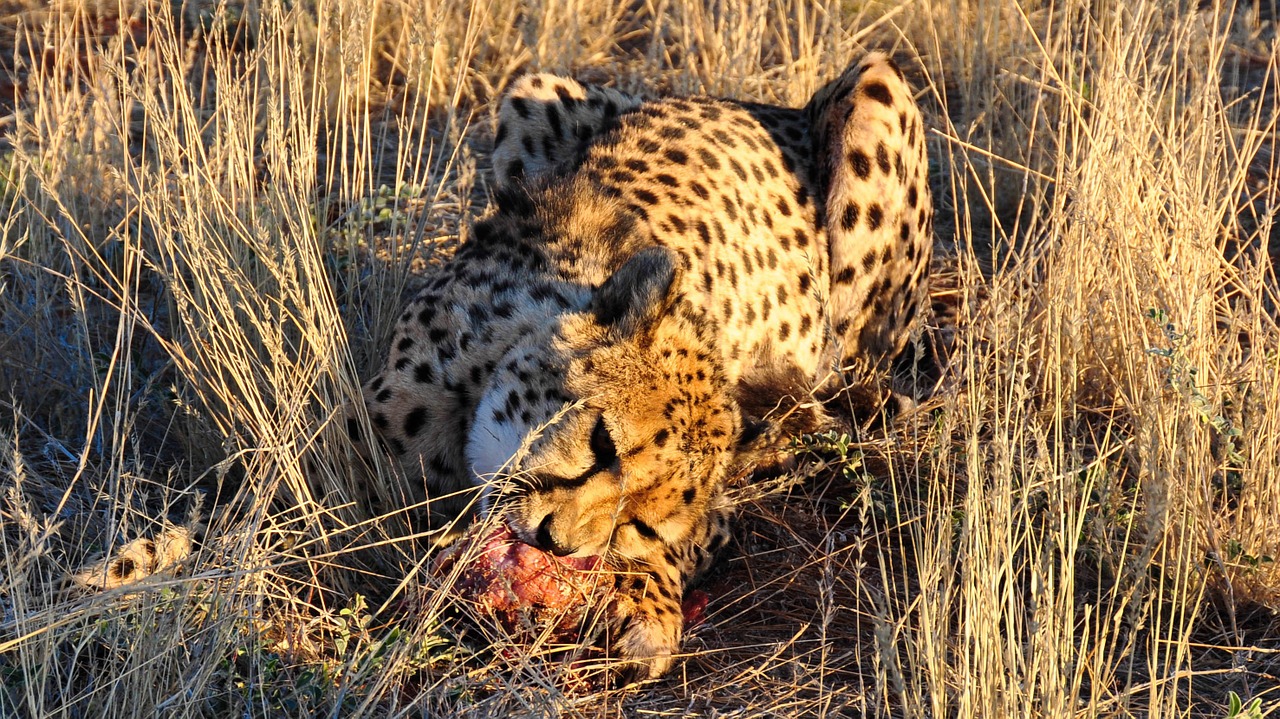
(546, 542)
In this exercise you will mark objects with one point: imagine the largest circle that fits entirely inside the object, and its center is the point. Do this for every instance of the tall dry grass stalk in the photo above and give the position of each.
(213, 212)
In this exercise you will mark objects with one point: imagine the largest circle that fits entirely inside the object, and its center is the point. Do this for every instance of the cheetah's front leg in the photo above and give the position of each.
(648, 617)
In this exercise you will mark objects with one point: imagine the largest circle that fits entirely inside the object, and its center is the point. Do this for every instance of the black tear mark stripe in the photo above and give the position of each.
(548, 482)
(643, 529)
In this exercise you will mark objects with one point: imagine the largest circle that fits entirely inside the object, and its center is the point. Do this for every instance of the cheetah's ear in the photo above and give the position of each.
(640, 292)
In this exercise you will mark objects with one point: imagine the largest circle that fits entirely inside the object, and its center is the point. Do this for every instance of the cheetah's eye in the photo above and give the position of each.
(602, 445)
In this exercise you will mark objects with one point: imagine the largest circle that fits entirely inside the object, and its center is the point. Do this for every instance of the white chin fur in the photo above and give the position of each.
(491, 447)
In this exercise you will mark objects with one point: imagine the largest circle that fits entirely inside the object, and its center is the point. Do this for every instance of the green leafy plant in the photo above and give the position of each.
(1237, 709)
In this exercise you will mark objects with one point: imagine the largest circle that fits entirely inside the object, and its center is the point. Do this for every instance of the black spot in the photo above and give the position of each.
(478, 313)
(784, 331)
(850, 218)
(805, 324)
(718, 230)
(860, 163)
(869, 260)
(845, 276)
(646, 197)
(403, 362)
(904, 233)
(699, 190)
(424, 374)
(875, 216)
(805, 281)
(667, 180)
(788, 164)
(882, 158)
(875, 293)
(708, 158)
(553, 119)
(737, 169)
(689, 495)
(672, 132)
(677, 156)
(879, 92)
(515, 169)
(913, 196)
(404, 344)
(520, 106)
(647, 145)
(660, 439)
(353, 429)
(414, 421)
(382, 396)
(729, 208)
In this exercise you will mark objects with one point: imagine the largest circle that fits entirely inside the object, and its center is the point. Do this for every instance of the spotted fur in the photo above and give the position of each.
(603, 353)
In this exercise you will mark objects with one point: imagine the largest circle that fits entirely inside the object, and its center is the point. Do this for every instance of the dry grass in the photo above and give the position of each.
(213, 212)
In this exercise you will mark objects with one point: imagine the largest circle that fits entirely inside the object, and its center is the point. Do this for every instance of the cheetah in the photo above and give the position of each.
(657, 292)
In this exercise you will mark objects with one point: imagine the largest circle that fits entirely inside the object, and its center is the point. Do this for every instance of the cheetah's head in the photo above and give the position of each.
(629, 431)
